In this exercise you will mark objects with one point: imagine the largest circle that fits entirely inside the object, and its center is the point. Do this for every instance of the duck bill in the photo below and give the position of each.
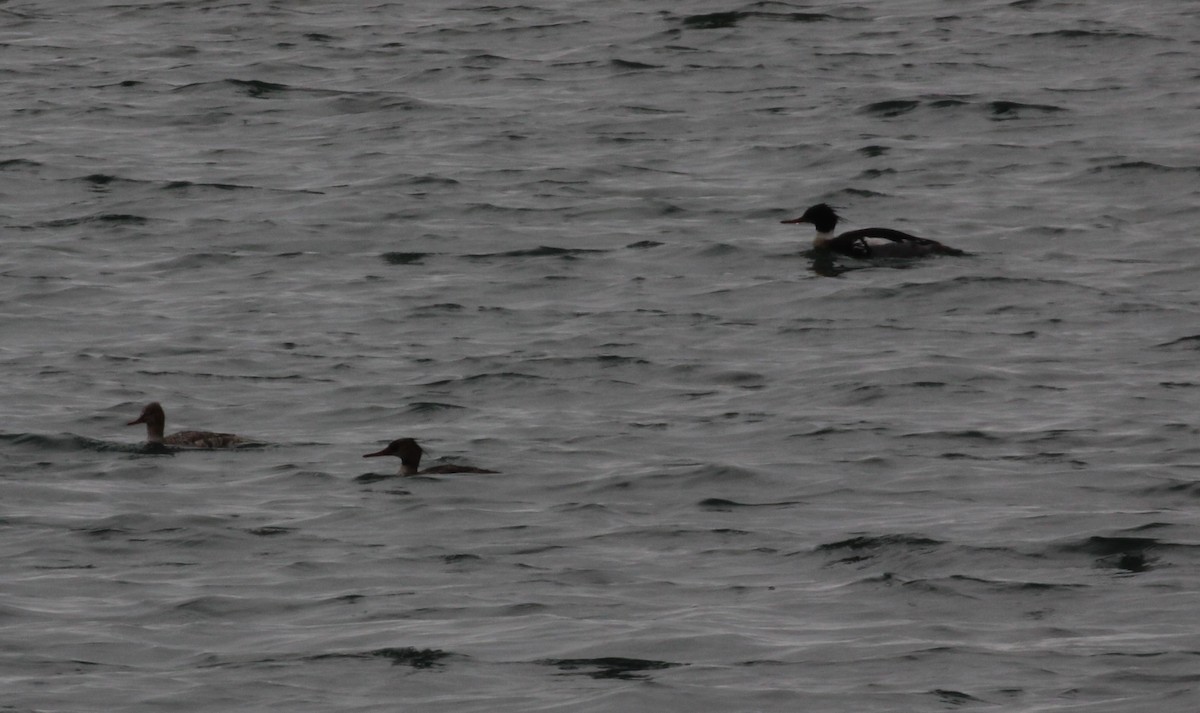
(376, 455)
(136, 421)
(793, 220)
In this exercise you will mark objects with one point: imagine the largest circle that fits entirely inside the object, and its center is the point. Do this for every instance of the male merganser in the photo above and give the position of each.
(868, 242)
(155, 419)
(409, 453)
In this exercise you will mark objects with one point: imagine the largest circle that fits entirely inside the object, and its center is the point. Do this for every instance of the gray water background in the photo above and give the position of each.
(544, 238)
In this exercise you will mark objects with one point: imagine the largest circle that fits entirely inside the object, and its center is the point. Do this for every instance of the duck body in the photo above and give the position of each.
(156, 420)
(867, 243)
(409, 452)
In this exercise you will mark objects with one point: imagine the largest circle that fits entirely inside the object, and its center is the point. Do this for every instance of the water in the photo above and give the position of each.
(545, 239)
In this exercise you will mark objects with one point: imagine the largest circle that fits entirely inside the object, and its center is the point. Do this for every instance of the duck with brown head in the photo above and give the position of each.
(156, 420)
(409, 452)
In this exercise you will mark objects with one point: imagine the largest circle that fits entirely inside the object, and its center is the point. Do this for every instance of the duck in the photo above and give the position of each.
(156, 419)
(869, 242)
(409, 452)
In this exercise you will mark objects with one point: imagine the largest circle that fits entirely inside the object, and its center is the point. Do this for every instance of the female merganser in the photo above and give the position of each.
(409, 453)
(868, 242)
(155, 419)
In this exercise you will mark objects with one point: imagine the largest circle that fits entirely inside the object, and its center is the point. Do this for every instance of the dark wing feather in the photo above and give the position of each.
(854, 242)
(887, 234)
(851, 245)
(452, 468)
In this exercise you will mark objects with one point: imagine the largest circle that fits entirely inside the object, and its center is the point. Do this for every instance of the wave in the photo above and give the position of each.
(540, 251)
(398, 655)
(610, 667)
(1144, 166)
(731, 18)
(997, 109)
(1093, 35)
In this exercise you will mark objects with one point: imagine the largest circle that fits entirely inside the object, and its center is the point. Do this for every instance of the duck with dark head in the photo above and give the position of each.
(867, 243)
(409, 452)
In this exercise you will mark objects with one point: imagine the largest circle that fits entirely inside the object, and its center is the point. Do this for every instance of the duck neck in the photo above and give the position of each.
(154, 431)
(823, 238)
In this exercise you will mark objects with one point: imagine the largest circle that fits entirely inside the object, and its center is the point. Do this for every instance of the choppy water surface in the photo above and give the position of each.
(544, 238)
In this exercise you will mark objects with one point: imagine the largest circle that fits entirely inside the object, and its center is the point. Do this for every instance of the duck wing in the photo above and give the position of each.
(203, 439)
(452, 468)
(858, 243)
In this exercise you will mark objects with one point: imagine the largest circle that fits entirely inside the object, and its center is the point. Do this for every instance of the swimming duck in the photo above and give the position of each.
(868, 242)
(155, 420)
(409, 453)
